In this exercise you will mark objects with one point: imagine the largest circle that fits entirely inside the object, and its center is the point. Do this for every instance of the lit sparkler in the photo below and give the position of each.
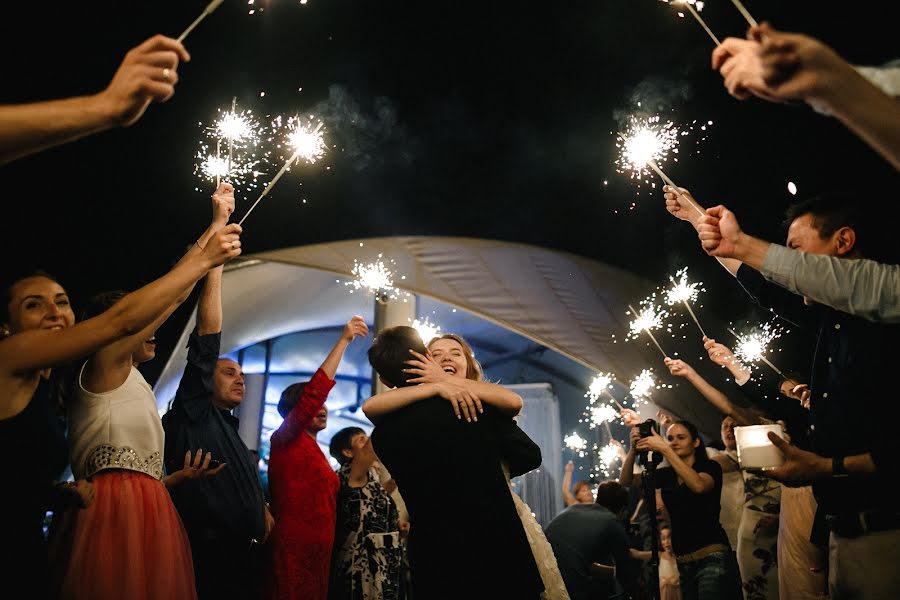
(426, 329)
(646, 143)
(375, 278)
(602, 413)
(206, 12)
(645, 321)
(752, 347)
(642, 386)
(600, 385)
(575, 442)
(684, 292)
(242, 131)
(305, 141)
(607, 456)
(695, 12)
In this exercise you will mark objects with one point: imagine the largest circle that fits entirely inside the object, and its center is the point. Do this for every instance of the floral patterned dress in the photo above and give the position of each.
(368, 556)
(758, 537)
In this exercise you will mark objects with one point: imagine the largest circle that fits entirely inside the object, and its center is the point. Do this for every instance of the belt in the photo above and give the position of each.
(702, 553)
(852, 525)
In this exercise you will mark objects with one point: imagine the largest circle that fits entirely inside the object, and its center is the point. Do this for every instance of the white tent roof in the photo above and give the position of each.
(570, 304)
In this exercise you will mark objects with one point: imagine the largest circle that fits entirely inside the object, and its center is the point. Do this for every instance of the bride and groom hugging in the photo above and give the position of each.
(467, 540)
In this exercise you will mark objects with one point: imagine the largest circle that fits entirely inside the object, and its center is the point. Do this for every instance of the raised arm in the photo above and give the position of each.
(568, 498)
(714, 396)
(678, 205)
(37, 349)
(627, 476)
(147, 74)
(698, 483)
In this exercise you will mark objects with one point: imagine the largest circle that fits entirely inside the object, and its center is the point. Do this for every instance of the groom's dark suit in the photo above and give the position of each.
(466, 540)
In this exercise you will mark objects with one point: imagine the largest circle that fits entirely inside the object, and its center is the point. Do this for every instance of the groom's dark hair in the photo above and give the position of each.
(612, 495)
(390, 351)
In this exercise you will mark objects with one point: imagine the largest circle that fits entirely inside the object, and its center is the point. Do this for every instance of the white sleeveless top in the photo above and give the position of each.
(119, 429)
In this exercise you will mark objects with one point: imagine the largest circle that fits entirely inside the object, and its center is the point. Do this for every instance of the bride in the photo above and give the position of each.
(453, 373)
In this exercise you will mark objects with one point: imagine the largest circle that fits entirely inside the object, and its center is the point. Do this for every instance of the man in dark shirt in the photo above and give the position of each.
(466, 539)
(853, 406)
(225, 515)
(584, 534)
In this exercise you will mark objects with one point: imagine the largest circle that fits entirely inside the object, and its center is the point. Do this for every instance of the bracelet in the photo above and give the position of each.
(198, 245)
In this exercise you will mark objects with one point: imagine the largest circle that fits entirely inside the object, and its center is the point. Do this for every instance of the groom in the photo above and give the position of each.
(466, 541)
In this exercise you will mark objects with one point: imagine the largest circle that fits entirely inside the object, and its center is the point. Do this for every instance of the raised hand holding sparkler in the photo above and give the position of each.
(753, 346)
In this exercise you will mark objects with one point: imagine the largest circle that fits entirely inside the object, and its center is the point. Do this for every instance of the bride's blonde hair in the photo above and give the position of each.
(473, 367)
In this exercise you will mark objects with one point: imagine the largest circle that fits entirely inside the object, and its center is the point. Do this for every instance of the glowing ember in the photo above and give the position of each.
(213, 166)
(648, 319)
(427, 330)
(682, 291)
(792, 188)
(307, 142)
(232, 149)
(608, 455)
(600, 383)
(642, 385)
(575, 442)
(752, 347)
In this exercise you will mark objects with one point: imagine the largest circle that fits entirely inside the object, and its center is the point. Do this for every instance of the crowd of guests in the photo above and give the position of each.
(173, 507)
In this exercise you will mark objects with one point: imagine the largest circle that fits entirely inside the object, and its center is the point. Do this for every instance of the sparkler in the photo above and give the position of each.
(575, 442)
(642, 386)
(601, 414)
(695, 12)
(752, 347)
(646, 143)
(308, 144)
(426, 329)
(684, 292)
(607, 456)
(649, 318)
(242, 131)
(599, 386)
(206, 12)
(746, 13)
(374, 277)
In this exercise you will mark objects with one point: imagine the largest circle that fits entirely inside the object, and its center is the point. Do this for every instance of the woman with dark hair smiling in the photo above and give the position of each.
(691, 488)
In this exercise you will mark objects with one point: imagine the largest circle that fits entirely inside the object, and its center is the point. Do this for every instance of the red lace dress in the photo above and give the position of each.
(304, 491)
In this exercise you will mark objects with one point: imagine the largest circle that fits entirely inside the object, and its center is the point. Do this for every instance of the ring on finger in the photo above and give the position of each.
(166, 73)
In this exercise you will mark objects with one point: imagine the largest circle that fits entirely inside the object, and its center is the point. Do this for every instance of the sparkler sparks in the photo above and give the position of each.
(575, 442)
(648, 319)
(607, 456)
(642, 386)
(599, 384)
(602, 413)
(242, 161)
(645, 141)
(426, 329)
(307, 142)
(375, 278)
(684, 292)
(752, 347)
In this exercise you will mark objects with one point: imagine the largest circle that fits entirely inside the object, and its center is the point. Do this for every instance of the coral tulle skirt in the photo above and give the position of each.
(130, 543)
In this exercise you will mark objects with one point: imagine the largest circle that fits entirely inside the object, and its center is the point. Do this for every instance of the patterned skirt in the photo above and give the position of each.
(130, 543)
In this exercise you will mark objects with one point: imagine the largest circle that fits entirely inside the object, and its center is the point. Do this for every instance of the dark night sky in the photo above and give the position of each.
(487, 119)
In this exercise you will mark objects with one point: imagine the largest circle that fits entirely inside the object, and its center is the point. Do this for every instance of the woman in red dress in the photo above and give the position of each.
(303, 485)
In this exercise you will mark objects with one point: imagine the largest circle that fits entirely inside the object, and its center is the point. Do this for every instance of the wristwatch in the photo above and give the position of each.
(837, 466)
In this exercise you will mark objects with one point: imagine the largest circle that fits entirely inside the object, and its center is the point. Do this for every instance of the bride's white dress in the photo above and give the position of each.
(554, 587)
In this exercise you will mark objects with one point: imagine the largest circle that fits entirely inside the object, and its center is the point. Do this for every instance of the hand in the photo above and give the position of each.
(679, 368)
(678, 207)
(629, 417)
(78, 493)
(465, 403)
(222, 205)
(270, 523)
(653, 443)
(800, 467)
(355, 327)
(147, 74)
(719, 232)
(425, 369)
(570, 466)
(193, 468)
(665, 419)
(404, 528)
(224, 245)
(718, 353)
(739, 63)
(634, 437)
(799, 67)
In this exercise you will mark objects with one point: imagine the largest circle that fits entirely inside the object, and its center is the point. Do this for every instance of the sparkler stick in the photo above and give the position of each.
(231, 138)
(652, 164)
(206, 12)
(747, 16)
(702, 22)
(608, 430)
(616, 402)
(690, 310)
(275, 179)
(761, 357)
(661, 351)
(218, 155)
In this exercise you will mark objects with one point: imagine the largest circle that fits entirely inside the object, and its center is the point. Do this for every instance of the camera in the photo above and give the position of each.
(647, 427)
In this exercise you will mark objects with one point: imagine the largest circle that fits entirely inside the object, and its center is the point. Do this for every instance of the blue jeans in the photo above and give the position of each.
(713, 577)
